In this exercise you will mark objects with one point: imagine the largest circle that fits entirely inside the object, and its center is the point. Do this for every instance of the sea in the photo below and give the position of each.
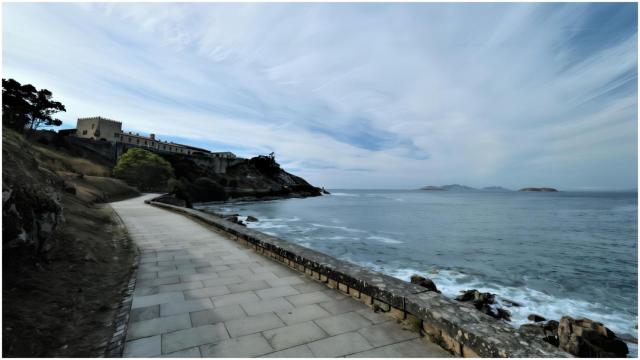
(563, 253)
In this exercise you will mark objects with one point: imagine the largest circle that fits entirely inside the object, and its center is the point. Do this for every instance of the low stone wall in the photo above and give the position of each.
(459, 328)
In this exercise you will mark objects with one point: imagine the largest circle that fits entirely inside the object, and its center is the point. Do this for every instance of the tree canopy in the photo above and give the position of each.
(143, 169)
(25, 107)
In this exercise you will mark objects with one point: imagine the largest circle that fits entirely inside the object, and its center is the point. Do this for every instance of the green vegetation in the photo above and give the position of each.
(144, 169)
(25, 107)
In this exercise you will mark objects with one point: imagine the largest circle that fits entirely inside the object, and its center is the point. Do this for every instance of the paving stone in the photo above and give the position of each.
(343, 323)
(144, 313)
(223, 281)
(145, 347)
(288, 280)
(237, 298)
(158, 326)
(386, 333)
(179, 272)
(308, 287)
(308, 298)
(284, 271)
(337, 307)
(181, 286)
(300, 351)
(339, 345)
(242, 347)
(147, 275)
(250, 285)
(275, 292)
(185, 306)
(187, 338)
(374, 317)
(142, 301)
(144, 291)
(253, 324)
(416, 348)
(293, 335)
(262, 276)
(206, 292)
(156, 282)
(199, 277)
(216, 315)
(302, 314)
(238, 272)
(193, 352)
(264, 306)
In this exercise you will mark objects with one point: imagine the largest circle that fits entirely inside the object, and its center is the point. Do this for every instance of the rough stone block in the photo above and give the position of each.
(343, 287)
(396, 313)
(332, 284)
(451, 343)
(431, 330)
(381, 305)
(366, 299)
(354, 293)
(468, 352)
(323, 278)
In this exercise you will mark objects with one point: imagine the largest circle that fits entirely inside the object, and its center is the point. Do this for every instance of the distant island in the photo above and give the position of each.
(544, 189)
(457, 187)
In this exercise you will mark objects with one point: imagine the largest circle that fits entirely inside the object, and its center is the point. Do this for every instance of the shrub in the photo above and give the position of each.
(143, 169)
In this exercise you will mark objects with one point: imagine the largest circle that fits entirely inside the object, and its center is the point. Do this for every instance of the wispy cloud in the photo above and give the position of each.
(367, 95)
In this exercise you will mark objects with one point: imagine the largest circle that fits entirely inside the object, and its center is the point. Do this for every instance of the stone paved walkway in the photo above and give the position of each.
(199, 294)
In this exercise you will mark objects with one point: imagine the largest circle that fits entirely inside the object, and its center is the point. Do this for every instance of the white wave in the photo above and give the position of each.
(451, 283)
(339, 228)
(383, 239)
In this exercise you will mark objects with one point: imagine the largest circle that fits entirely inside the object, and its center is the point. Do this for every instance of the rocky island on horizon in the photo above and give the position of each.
(458, 187)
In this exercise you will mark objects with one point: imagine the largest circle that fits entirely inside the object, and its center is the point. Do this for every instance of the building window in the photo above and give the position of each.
(145, 142)
(84, 132)
(137, 141)
(129, 139)
(93, 126)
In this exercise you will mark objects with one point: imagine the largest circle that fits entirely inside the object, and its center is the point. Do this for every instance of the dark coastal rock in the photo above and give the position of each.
(252, 218)
(543, 189)
(587, 338)
(424, 282)
(535, 318)
(433, 188)
(483, 302)
(545, 331)
(68, 188)
(325, 192)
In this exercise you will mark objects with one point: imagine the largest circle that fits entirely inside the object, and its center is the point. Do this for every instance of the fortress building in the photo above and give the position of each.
(102, 129)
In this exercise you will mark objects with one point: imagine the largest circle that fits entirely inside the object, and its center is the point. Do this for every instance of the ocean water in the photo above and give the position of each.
(565, 253)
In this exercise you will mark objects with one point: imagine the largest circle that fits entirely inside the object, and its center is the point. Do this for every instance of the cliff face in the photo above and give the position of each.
(250, 179)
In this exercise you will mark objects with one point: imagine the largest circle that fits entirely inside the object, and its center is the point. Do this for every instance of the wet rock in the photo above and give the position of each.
(252, 218)
(587, 338)
(545, 331)
(536, 318)
(483, 302)
(68, 188)
(424, 282)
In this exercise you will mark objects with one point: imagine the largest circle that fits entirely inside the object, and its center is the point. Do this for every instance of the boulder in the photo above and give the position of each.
(536, 318)
(586, 338)
(68, 188)
(252, 218)
(424, 282)
(545, 331)
(483, 302)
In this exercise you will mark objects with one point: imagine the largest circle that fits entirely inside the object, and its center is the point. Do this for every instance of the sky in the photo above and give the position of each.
(386, 96)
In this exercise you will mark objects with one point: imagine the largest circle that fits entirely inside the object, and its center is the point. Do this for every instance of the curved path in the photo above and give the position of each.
(199, 294)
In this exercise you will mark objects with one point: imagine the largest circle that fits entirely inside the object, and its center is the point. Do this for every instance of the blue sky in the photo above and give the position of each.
(355, 95)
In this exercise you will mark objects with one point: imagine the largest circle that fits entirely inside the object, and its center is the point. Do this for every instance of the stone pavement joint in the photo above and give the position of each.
(200, 294)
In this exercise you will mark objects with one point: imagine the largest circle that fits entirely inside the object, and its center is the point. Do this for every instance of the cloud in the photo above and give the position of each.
(368, 95)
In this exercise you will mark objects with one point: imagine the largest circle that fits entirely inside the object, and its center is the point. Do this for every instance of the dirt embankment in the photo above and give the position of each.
(64, 264)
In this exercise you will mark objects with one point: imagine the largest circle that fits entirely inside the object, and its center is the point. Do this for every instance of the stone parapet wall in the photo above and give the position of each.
(455, 326)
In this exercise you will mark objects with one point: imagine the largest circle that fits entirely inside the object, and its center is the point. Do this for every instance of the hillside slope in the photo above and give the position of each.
(65, 256)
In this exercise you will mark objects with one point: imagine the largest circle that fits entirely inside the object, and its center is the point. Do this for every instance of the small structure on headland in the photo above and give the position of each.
(103, 129)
